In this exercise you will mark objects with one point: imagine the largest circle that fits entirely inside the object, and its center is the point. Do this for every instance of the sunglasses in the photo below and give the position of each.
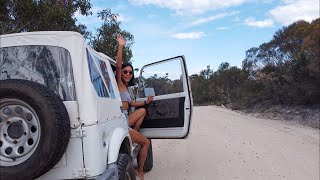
(127, 72)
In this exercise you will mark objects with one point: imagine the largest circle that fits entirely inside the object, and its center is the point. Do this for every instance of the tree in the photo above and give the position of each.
(105, 40)
(199, 89)
(288, 66)
(206, 73)
(42, 15)
(59, 15)
(311, 46)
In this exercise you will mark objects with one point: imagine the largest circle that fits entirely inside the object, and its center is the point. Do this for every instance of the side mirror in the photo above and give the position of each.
(149, 92)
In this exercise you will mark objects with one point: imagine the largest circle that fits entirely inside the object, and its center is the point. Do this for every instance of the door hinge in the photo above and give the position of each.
(78, 133)
(81, 173)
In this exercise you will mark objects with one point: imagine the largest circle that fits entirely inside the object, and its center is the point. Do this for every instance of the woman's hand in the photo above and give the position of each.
(149, 100)
(120, 40)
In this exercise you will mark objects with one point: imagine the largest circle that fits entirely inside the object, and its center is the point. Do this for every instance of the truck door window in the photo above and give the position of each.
(106, 76)
(96, 78)
(165, 78)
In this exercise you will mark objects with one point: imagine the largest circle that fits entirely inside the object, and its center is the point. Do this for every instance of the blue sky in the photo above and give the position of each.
(206, 32)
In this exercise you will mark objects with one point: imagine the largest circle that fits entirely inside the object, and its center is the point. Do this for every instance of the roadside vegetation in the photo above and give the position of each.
(281, 73)
(285, 70)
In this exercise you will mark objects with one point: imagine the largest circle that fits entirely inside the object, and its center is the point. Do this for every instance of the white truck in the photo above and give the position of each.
(61, 114)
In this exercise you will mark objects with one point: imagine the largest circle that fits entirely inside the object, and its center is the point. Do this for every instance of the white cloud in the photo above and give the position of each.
(222, 28)
(122, 18)
(211, 18)
(189, 7)
(190, 35)
(293, 10)
(259, 24)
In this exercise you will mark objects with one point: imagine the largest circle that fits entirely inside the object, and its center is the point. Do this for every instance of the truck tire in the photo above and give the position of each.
(125, 168)
(148, 164)
(35, 129)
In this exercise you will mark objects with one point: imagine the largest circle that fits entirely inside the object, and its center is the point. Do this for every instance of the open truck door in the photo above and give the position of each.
(169, 115)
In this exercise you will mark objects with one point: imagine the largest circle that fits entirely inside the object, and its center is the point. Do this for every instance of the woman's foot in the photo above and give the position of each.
(140, 174)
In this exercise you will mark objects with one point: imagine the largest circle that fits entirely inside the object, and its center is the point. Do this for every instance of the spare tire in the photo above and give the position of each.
(34, 129)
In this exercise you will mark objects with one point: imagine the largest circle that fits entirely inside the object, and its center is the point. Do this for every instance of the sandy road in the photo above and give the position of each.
(227, 145)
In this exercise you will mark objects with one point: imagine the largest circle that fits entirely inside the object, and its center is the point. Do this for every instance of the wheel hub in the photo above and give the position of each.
(15, 130)
(20, 131)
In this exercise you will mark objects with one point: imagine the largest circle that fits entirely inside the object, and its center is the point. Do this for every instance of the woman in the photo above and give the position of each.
(124, 75)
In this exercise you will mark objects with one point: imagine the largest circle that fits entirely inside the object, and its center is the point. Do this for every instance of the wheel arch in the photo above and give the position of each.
(125, 147)
(120, 142)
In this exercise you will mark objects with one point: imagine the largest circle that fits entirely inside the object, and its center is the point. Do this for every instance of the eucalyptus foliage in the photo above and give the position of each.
(18, 16)
(285, 70)
(42, 15)
(105, 38)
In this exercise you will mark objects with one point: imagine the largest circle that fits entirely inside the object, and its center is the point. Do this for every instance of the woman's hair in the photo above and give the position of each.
(131, 82)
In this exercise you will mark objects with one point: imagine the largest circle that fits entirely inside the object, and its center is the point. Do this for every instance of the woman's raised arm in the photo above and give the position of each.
(121, 43)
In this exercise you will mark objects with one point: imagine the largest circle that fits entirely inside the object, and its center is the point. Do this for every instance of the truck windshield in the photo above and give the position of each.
(47, 65)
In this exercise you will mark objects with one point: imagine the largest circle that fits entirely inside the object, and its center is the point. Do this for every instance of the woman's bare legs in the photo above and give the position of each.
(136, 118)
(136, 137)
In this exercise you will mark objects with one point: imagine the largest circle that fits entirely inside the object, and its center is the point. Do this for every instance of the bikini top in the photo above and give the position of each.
(125, 96)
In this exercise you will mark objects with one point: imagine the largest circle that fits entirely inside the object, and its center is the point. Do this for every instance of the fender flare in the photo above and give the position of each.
(117, 138)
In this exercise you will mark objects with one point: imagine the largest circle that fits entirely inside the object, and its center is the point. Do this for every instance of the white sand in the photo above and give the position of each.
(227, 145)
